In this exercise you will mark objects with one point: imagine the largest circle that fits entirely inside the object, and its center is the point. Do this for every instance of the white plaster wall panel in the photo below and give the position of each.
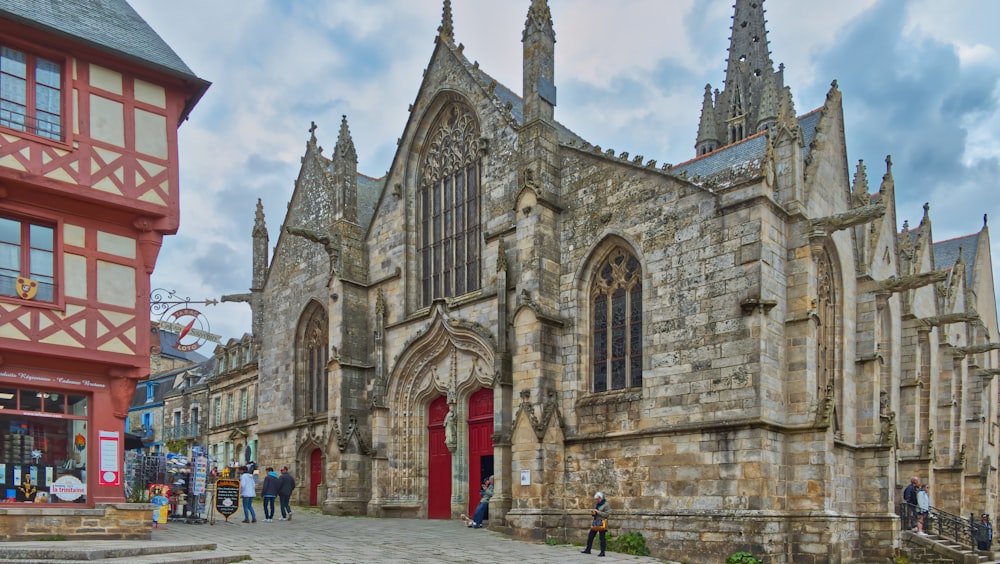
(75, 271)
(150, 133)
(115, 284)
(74, 235)
(150, 94)
(115, 245)
(107, 120)
(105, 79)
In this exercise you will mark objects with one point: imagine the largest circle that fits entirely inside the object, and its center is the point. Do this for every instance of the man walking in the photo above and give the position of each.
(285, 486)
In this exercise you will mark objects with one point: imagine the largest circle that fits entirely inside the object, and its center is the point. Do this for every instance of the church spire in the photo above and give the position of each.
(345, 173)
(538, 86)
(752, 93)
(447, 29)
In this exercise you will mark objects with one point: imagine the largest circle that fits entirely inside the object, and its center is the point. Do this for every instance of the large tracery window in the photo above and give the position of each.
(616, 295)
(449, 207)
(311, 360)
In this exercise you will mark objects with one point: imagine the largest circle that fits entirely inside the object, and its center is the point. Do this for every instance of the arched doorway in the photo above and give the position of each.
(438, 462)
(315, 475)
(480, 442)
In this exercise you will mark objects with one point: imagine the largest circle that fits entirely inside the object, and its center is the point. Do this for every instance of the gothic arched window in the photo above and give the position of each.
(448, 206)
(311, 345)
(616, 297)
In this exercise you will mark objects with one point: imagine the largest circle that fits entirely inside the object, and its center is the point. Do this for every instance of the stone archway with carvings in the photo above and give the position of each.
(450, 357)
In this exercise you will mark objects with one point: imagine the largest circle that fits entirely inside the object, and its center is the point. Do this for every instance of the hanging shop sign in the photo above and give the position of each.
(176, 316)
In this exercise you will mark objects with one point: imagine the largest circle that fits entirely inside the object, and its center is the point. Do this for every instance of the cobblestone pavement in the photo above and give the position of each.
(313, 537)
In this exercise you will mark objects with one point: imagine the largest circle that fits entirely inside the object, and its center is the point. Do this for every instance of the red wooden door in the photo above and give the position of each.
(315, 475)
(480, 442)
(438, 462)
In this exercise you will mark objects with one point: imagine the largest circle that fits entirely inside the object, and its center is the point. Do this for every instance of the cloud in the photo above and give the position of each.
(919, 80)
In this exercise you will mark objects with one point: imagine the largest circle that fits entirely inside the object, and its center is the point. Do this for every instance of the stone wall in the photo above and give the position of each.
(106, 521)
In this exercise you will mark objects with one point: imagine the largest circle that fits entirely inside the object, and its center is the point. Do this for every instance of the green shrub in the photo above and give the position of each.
(742, 558)
(630, 543)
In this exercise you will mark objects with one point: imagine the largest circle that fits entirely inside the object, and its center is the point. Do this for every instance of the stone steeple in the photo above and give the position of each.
(539, 40)
(345, 172)
(751, 96)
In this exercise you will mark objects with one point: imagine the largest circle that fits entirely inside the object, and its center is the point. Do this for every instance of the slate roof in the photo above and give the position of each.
(508, 96)
(946, 253)
(749, 149)
(111, 26)
(369, 190)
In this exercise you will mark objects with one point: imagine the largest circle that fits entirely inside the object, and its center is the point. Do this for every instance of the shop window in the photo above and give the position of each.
(43, 446)
(30, 93)
(27, 260)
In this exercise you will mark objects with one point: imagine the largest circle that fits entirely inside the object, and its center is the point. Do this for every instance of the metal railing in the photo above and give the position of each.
(185, 431)
(942, 524)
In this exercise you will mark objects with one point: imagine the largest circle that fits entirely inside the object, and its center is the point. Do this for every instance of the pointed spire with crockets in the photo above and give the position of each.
(752, 93)
(447, 29)
(708, 140)
(345, 172)
(259, 249)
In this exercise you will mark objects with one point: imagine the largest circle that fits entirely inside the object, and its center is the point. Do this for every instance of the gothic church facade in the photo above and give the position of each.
(741, 351)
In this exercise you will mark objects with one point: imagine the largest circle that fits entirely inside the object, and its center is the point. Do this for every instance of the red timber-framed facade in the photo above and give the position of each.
(90, 102)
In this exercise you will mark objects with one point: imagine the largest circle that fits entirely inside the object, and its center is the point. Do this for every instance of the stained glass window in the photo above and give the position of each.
(616, 297)
(449, 207)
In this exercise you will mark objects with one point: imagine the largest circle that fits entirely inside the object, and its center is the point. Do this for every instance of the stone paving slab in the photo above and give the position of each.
(313, 537)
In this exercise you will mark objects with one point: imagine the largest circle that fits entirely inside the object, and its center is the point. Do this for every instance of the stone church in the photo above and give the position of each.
(742, 351)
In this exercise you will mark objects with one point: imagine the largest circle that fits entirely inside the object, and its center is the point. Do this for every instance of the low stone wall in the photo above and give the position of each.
(115, 521)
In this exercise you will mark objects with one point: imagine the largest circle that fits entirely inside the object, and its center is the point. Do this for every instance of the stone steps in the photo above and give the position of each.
(133, 552)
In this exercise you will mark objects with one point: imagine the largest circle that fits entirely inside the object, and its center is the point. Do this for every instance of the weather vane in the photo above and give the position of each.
(176, 315)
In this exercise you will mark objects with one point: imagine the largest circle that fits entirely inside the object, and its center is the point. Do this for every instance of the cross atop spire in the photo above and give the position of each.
(447, 29)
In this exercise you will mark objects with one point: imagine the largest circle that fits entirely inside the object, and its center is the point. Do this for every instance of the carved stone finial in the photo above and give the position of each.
(447, 30)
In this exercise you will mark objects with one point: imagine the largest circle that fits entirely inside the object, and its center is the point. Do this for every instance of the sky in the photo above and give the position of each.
(919, 80)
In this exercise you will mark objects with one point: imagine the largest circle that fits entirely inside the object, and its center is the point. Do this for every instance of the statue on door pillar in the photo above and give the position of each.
(450, 439)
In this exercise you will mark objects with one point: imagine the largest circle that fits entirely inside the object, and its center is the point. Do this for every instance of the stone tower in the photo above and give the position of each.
(749, 101)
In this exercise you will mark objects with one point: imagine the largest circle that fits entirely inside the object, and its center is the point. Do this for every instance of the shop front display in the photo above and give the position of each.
(43, 446)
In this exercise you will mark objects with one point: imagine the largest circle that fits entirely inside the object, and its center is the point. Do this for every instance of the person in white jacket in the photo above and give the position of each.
(923, 508)
(248, 491)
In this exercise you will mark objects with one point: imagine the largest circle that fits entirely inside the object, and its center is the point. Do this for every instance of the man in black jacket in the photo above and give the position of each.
(909, 507)
(285, 486)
